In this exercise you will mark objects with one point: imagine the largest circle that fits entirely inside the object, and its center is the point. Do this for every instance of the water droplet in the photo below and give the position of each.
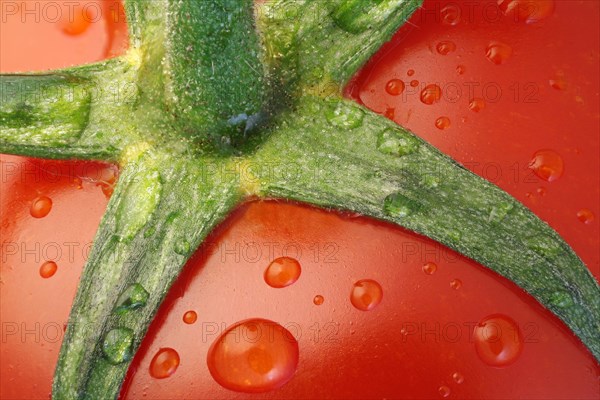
(182, 247)
(48, 269)
(41, 207)
(397, 142)
(431, 94)
(390, 113)
(190, 317)
(429, 268)
(117, 345)
(138, 204)
(132, 298)
(78, 182)
(500, 211)
(544, 245)
(541, 191)
(164, 363)
(399, 206)
(282, 272)
(410, 72)
(477, 104)
(458, 377)
(586, 216)
(77, 21)
(559, 82)
(445, 47)
(498, 52)
(318, 300)
(450, 14)
(253, 356)
(527, 11)
(561, 299)
(444, 391)
(442, 123)
(498, 341)
(455, 284)
(366, 294)
(394, 87)
(460, 69)
(547, 165)
(345, 116)
(414, 83)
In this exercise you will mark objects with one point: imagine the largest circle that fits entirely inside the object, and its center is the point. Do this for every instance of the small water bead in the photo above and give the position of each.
(547, 165)
(558, 82)
(444, 391)
(442, 123)
(190, 317)
(397, 205)
(345, 116)
(500, 211)
(477, 104)
(410, 72)
(117, 345)
(366, 294)
(395, 87)
(460, 69)
(77, 21)
(282, 272)
(41, 207)
(445, 47)
(141, 198)
(458, 377)
(253, 356)
(414, 83)
(585, 216)
(431, 94)
(541, 191)
(397, 142)
(430, 268)
(318, 300)
(390, 113)
(132, 298)
(48, 269)
(498, 52)
(561, 299)
(450, 14)
(455, 284)
(182, 247)
(498, 340)
(164, 363)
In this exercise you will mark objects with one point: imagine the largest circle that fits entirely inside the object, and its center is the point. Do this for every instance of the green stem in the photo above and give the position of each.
(349, 158)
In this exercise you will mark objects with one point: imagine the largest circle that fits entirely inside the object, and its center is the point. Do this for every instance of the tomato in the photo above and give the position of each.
(376, 311)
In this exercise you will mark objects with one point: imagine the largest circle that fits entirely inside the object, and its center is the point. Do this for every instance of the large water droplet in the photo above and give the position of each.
(190, 317)
(586, 216)
(431, 94)
(117, 345)
(442, 123)
(429, 268)
(282, 272)
(498, 52)
(498, 341)
(41, 207)
(345, 116)
(445, 47)
(394, 87)
(132, 298)
(366, 294)
(527, 11)
(399, 206)
(397, 142)
(48, 269)
(253, 356)
(547, 165)
(164, 363)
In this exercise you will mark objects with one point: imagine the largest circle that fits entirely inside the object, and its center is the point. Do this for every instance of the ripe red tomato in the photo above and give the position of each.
(516, 102)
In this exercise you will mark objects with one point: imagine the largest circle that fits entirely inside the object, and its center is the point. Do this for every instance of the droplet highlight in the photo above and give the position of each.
(450, 15)
(117, 345)
(253, 356)
(366, 294)
(429, 268)
(456, 284)
(547, 165)
(477, 104)
(132, 298)
(445, 47)
(431, 94)
(41, 207)
(282, 272)
(344, 116)
(585, 216)
(442, 123)
(164, 363)
(397, 142)
(458, 377)
(527, 11)
(444, 391)
(48, 269)
(498, 340)
(395, 87)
